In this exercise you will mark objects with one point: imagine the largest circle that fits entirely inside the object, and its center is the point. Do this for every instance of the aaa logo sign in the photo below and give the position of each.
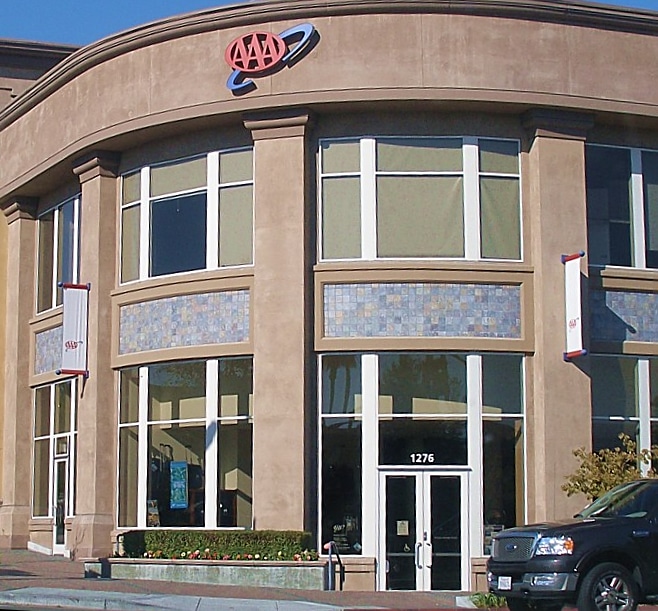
(258, 54)
(255, 52)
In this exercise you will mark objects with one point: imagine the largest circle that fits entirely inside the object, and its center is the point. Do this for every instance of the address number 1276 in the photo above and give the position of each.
(422, 457)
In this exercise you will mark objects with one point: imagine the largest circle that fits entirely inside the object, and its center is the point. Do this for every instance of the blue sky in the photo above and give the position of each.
(79, 23)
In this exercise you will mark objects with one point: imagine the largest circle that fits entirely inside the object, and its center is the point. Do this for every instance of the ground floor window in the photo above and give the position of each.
(53, 482)
(392, 417)
(185, 444)
(624, 400)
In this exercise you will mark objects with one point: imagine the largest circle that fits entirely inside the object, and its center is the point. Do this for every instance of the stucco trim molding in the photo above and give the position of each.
(97, 163)
(21, 208)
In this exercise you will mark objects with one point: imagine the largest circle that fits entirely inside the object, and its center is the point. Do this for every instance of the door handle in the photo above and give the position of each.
(419, 545)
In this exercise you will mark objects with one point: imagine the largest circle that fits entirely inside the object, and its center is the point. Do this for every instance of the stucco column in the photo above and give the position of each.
(559, 415)
(97, 410)
(17, 433)
(281, 321)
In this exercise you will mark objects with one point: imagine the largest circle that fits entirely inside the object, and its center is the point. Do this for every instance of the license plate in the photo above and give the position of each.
(504, 583)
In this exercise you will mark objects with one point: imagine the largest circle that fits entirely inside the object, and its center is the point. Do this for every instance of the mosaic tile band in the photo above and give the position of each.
(422, 310)
(48, 350)
(185, 320)
(624, 316)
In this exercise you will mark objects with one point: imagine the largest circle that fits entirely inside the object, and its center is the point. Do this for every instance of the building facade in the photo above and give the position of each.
(320, 248)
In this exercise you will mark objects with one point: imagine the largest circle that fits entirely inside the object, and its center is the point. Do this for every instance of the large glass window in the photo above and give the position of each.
(188, 215)
(197, 443)
(57, 256)
(624, 400)
(422, 409)
(55, 426)
(622, 206)
(420, 198)
(402, 412)
(341, 452)
(502, 443)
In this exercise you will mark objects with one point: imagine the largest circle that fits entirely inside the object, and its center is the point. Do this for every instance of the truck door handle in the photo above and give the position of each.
(640, 533)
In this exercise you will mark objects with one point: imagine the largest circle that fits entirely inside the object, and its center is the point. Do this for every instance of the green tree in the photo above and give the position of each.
(600, 471)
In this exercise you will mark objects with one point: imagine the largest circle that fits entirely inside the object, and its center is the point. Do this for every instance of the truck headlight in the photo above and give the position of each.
(554, 546)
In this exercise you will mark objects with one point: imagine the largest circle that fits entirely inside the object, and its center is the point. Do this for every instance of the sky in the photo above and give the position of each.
(80, 23)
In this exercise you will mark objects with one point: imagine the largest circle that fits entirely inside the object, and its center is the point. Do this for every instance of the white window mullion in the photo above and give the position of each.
(144, 224)
(212, 227)
(644, 408)
(368, 200)
(212, 435)
(471, 199)
(475, 445)
(56, 262)
(143, 458)
(75, 272)
(369, 453)
(637, 209)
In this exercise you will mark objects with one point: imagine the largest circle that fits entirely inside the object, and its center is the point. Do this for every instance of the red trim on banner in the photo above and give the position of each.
(567, 356)
(70, 285)
(577, 255)
(73, 372)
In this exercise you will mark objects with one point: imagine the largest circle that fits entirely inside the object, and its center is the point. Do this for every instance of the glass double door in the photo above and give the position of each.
(423, 543)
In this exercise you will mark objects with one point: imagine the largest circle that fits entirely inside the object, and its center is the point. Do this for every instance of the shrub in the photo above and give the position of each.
(488, 600)
(219, 544)
(600, 471)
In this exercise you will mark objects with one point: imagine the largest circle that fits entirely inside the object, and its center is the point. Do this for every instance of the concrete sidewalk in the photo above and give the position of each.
(32, 581)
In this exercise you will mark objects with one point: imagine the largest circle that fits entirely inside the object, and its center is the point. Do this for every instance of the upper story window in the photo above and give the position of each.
(188, 215)
(622, 206)
(57, 255)
(383, 198)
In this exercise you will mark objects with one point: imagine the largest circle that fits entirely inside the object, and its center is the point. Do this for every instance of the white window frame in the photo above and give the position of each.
(637, 220)
(368, 174)
(371, 494)
(54, 281)
(212, 188)
(643, 417)
(211, 421)
(52, 437)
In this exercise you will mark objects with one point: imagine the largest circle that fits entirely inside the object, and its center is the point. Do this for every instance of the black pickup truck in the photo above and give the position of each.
(604, 559)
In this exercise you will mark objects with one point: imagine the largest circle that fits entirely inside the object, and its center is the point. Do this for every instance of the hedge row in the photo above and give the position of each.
(219, 544)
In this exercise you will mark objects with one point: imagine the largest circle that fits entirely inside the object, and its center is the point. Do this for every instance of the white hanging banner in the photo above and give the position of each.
(573, 306)
(74, 330)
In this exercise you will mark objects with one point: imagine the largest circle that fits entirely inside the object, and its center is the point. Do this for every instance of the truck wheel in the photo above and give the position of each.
(608, 587)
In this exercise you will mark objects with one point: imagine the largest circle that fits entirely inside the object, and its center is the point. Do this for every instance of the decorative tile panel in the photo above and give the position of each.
(422, 310)
(48, 350)
(185, 320)
(623, 316)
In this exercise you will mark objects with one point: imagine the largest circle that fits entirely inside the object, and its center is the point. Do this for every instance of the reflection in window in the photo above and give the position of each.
(182, 429)
(57, 256)
(422, 384)
(613, 204)
(341, 483)
(54, 449)
(188, 215)
(341, 452)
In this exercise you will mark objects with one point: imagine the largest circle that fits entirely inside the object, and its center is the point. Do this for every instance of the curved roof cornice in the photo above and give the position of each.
(253, 12)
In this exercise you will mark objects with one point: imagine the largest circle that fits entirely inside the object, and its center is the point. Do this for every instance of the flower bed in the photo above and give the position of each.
(221, 557)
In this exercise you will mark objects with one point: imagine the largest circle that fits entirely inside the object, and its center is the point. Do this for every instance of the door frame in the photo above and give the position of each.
(423, 510)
